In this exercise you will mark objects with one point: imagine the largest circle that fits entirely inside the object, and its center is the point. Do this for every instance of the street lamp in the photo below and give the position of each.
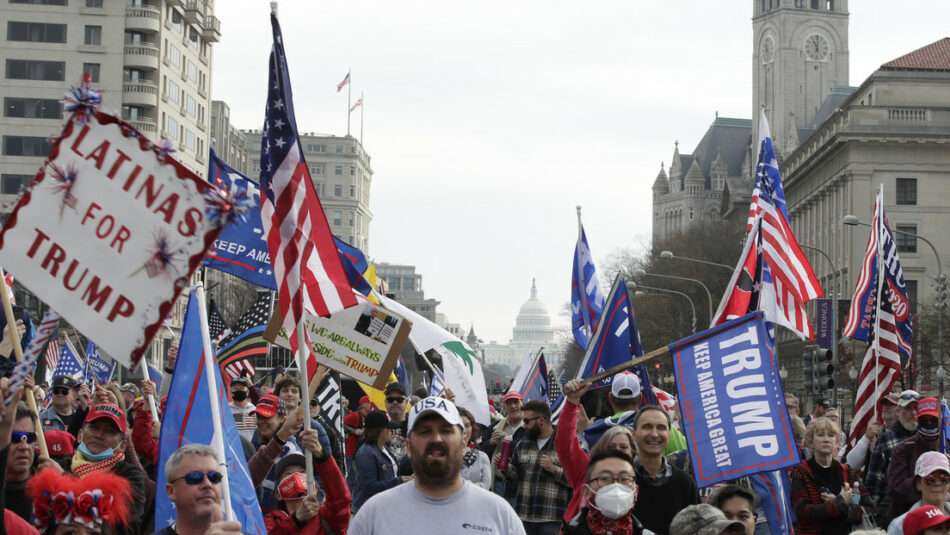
(834, 310)
(941, 375)
(640, 273)
(941, 279)
(692, 306)
(669, 254)
(783, 373)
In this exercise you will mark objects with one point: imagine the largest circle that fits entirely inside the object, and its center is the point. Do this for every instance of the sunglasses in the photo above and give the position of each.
(937, 479)
(915, 397)
(60, 391)
(529, 420)
(195, 478)
(22, 436)
(395, 399)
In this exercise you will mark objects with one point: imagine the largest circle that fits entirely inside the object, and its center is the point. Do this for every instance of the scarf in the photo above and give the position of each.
(470, 457)
(601, 525)
(82, 468)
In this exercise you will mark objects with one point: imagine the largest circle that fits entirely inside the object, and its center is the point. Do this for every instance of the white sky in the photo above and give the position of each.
(489, 122)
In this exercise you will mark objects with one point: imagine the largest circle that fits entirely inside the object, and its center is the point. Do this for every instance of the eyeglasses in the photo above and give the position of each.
(60, 391)
(195, 478)
(915, 397)
(529, 420)
(395, 399)
(937, 479)
(603, 481)
(22, 436)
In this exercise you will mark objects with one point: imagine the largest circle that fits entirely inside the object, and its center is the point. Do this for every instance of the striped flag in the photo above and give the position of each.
(357, 104)
(437, 388)
(339, 86)
(52, 354)
(883, 324)
(217, 327)
(246, 341)
(306, 262)
(794, 281)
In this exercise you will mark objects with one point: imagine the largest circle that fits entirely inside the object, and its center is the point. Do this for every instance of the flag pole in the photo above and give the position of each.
(150, 398)
(302, 351)
(18, 352)
(349, 90)
(362, 107)
(581, 283)
(217, 439)
(880, 283)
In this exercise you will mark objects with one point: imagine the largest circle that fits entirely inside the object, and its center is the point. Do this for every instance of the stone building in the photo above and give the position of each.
(531, 332)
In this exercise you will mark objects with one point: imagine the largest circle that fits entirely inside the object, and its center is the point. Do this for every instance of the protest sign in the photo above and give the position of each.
(734, 414)
(362, 342)
(109, 233)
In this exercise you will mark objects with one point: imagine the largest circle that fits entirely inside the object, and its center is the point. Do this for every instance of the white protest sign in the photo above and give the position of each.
(109, 233)
(362, 342)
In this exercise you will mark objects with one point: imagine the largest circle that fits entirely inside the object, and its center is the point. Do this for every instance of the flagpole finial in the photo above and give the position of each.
(578, 209)
(273, 7)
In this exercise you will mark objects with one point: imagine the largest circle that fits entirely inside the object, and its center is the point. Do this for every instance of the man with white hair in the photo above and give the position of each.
(437, 500)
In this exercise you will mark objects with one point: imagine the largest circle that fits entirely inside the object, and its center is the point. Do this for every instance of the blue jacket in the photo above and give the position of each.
(374, 474)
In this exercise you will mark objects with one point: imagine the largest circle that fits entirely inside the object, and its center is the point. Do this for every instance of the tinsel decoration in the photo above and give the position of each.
(165, 147)
(82, 101)
(162, 258)
(63, 181)
(228, 206)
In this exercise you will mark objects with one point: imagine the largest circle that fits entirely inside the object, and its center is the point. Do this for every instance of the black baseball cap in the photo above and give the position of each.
(395, 387)
(64, 381)
(379, 419)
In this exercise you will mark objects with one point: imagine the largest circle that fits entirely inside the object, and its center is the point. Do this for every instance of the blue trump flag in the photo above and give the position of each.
(734, 415)
(587, 301)
(775, 490)
(616, 341)
(241, 248)
(99, 367)
(187, 419)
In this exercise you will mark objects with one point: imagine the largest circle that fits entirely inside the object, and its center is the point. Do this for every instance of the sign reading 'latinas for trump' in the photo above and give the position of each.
(734, 414)
(109, 233)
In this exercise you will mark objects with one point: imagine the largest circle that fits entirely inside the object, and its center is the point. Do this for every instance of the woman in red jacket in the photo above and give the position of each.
(300, 511)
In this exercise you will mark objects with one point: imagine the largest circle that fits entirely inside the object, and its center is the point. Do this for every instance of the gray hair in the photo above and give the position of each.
(174, 462)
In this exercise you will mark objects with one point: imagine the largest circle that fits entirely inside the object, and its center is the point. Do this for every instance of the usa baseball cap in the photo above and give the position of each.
(107, 411)
(434, 405)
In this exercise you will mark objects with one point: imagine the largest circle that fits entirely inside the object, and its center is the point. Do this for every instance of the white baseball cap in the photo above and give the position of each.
(625, 386)
(931, 461)
(434, 405)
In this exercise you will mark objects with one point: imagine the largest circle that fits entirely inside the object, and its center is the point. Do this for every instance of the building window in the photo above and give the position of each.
(25, 146)
(93, 3)
(352, 191)
(174, 55)
(172, 129)
(337, 218)
(174, 92)
(339, 149)
(36, 32)
(906, 238)
(12, 184)
(191, 105)
(692, 213)
(720, 182)
(191, 70)
(189, 140)
(93, 70)
(93, 35)
(316, 169)
(316, 148)
(32, 108)
(337, 190)
(907, 191)
(338, 170)
(351, 224)
(176, 20)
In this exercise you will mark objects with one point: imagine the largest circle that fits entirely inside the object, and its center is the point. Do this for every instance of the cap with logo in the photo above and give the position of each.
(931, 461)
(923, 518)
(703, 519)
(269, 406)
(434, 405)
(625, 386)
(928, 407)
(64, 381)
(109, 412)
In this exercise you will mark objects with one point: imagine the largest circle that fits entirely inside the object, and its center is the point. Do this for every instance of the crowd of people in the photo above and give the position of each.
(422, 464)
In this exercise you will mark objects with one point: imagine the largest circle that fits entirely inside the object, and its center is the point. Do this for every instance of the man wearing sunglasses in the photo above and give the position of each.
(396, 403)
(59, 415)
(21, 462)
(194, 485)
(876, 476)
(900, 471)
(932, 480)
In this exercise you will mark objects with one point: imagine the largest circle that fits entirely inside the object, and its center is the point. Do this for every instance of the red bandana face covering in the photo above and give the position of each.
(293, 487)
(600, 524)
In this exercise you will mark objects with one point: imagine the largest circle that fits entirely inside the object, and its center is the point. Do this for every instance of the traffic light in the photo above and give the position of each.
(809, 370)
(826, 369)
(497, 389)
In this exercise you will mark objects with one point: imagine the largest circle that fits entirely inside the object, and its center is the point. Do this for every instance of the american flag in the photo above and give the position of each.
(306, 262)
(357, 104)
(339, 86)
(69, 363)
(52, 354)
(8, 278)
(246, 341)
(217, 327)
(889, 315)
(794, 281)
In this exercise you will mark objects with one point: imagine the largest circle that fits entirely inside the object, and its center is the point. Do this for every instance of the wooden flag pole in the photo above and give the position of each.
(18, 351)
(79, 343)
(217, 440)
(655, 354)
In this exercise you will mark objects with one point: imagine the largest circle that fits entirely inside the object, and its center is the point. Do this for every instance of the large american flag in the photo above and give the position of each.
(794, 281)
(306, 262)
(883, 323)
(52, 354)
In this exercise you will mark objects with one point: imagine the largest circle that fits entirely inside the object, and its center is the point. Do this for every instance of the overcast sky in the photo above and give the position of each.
(488, 122)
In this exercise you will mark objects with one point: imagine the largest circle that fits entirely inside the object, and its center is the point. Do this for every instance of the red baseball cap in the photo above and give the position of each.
(59, 442)
(107, 411)
(922, 518)
(269, 406)
(512, 394)
(927, 407)
(365, 399)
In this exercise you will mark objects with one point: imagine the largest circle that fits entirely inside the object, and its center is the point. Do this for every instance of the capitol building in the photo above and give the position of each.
(531, 332)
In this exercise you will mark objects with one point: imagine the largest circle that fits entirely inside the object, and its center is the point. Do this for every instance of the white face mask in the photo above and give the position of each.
(614, 500)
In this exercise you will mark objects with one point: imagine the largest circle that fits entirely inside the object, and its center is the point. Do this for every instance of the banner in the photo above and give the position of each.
(825, 335)
(734, 414)
(109, 233)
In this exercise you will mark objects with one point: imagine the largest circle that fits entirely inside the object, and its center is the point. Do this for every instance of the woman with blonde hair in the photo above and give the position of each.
(823, 489)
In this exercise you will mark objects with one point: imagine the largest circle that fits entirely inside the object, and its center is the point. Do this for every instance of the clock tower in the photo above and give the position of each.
(799, 53)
